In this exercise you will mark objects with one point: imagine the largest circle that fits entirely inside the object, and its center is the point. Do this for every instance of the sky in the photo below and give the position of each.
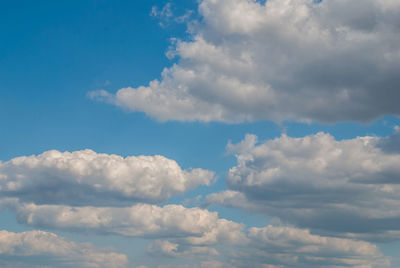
(200, 133)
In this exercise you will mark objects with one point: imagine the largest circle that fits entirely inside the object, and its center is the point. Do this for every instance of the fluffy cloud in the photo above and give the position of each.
(192, 233)
(282, 246)
(348, 187)
(293, 247)
(193, 226)
(281, 60)
(36, 248)
(89, 178)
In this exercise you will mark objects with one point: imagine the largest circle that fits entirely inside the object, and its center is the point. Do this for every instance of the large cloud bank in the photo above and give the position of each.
(194, 234)
(282, 60)
(89, 192)
(348, 187)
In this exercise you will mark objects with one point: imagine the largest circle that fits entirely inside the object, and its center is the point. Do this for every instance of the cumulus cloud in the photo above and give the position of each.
(90, 178)
(279, 60)
(37, 248)
(348, 187)
(283, 246)
(192, 226)
(293, 247)
(194, 233)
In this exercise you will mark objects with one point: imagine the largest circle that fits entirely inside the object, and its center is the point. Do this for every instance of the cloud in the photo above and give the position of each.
(37, 248)
(203, 264)
(197, 234)
(280, 60)
(391, 143)
(168, 249)
(293, 247)
(90, 178)
(283, 246)
(165, 12)
(348, 187)
(192, 226)
(341, 191)
(166, 15)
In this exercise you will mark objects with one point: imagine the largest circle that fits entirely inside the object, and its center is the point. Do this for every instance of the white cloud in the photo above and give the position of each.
(197, 234)
(192, 226)
(282, 60)
(348, 187)
(37, 248)
(293, 247)
(283, 246)
(90, 178)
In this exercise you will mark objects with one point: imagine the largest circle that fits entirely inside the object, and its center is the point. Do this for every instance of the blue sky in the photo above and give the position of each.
(76, 75)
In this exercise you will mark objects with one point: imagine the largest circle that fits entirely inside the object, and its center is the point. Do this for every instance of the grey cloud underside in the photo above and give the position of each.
(347, 188)
(88, 178)
(283, 60)
(391, 143)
